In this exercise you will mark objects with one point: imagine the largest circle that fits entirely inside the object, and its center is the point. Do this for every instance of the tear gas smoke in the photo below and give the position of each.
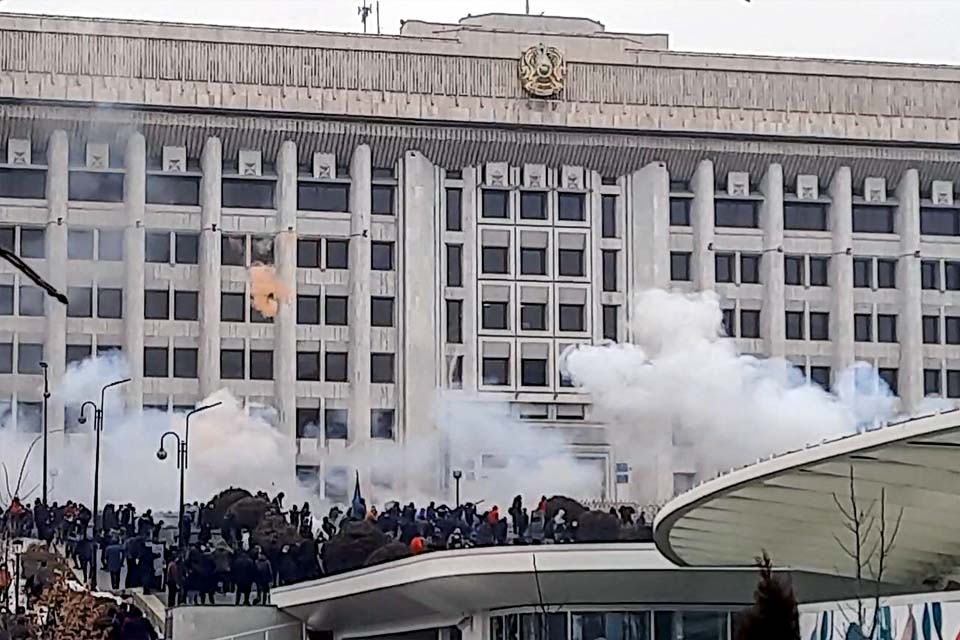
(267, 292)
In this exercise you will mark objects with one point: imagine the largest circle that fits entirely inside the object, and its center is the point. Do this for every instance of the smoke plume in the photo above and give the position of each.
(266, 290)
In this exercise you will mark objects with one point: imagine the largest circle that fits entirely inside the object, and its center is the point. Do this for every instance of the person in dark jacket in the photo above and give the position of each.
(244, 574)
(114, 555)
(136, 627)
(264, 577)
(85, 556)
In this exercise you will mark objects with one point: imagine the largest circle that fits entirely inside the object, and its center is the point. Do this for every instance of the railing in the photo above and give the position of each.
(267, 633)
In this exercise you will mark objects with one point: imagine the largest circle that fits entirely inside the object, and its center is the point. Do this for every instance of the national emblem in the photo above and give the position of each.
(542, 71)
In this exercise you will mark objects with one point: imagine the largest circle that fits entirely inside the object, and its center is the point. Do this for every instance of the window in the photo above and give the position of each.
(156, 304)
(335, 311)
(804, 216)
(29, 357)
(32, 243)
(184, 363)
(308, 309)
(109, 303)
(338, 254)
(454, 265)
(232, 366)
(608, 226)
(495, 315)
(533, 205)
(31, 301)
(185, 305)
(78, 353)
(793, 270)
(95, 186)
(79, 302)
(725, 267)
(381, 312)
(496, 371)
(886, 274)
(609, 270)
(533, 372)
(381, 198)
(930, 274)
(533, 261)
(6, 300)
(728, 322)
(680, 266)
(749, 269)
(79, 244)
(749, 323)
(872, 219)
(931, 382)
(110, 247)
(335, 366)
(155, 363)
(931, 329)
(495, 203)
(454, 215)
(233, 251)
(533, 316)
(570, 206)
(23, 183)
(157, 246)
(863, 273)
(381, 368)
(571, 317)
(323, 196)
(890, 376)
(494, 260)
(952, 325)
(308, 253)
(308, 365)
(820, 376)
(735, 213)
(381, 423)
(233, 307)
(261, 249)
(610, 329)
(171, 189)
(381, 256)
(819, 271)
(187, 247)
(454, 321)
(7, 238)
(953, 383)
(308, 422)
(261, 364)
(952, 272)
(936, 221)
(680, 212)
(335, 424)
(794, 325)
(6, 357)
(248, 193)
(570, 262)
(886, 328)
(862, 327)
(819, 325)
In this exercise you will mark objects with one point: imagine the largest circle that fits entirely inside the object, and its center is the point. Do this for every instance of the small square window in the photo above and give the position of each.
(495, 315)
(381, 312)
(793, 270)
(382, 423)
(185, 305)
(570, 262)
(930, 274)
(338, 254)
(233, 251)
(533, 372)
(109, 303)
(533, 205)
(78, 353)
(31, 301)
(863, 327)
(533, 261)
(187, 248)
(233, 307)
(6, 357)
(261, 249)
(308, 422)
(184, 363)
(749, 269)
(32, 243)
(335, 366)
(749, 323)
(819, 271)
(381, 196)
(80, 244)
(308, 365)
(155, 364)
(335, 310)
(952, 326)
(496, 371)
(29, 357)
(381, 256)
(494, 260)
(496, 203)
(931, 329)
(533, 316)
(570, 206)
(111, 245)
(794, 325)
(932, 382)
(891, 378)
(335, 424)
(381, 368)
(308, 309)
(724, 267)
(680, 212)
(157, 246)
(571, 317)
(156, 304)
(261, 364)
(819, 325)
(886, 274)
(232, 365)
(863, 273)
(886, 328)
(308, 253)
(680, 266)
(820, 376)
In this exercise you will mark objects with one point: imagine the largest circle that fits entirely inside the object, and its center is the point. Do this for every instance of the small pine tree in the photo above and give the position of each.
(774, 614)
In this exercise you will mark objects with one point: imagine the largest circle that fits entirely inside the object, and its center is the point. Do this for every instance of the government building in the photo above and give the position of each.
(449, 209)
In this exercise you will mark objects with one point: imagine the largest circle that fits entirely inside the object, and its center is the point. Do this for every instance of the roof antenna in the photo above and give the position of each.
(364, 12)
(528, 7)
(378, 17)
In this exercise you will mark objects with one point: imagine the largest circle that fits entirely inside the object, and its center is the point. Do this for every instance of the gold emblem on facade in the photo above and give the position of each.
(542, 71)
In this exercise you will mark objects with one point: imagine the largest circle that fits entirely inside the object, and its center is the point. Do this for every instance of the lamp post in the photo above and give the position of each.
(17, 546)
(46, 399)
(457, 474)
(182, 456)
(97, 428)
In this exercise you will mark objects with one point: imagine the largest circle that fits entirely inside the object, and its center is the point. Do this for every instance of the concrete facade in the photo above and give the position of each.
(790, 186)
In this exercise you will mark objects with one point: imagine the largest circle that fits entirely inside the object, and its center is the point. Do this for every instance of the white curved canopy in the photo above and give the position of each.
(787, 505)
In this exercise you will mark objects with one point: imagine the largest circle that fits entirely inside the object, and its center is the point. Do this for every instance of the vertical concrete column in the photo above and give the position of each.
(134, 200)
(910, 327)
(211, 163)
(703, 186)
(285, 262)
(359, 358)
(468, 210)
(772, 317)
(649, 228)
(55, 338)
(840, 216)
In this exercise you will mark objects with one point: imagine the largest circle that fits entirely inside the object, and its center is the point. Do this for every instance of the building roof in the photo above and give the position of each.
(787, 505)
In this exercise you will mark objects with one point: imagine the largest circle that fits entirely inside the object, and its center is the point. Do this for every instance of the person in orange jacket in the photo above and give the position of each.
(417, 545)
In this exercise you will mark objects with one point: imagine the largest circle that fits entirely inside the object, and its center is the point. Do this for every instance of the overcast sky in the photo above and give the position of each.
(901, 30)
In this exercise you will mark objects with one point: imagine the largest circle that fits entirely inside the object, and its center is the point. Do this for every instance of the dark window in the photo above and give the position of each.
(749, 323)
(819, 325)
(335, 366)
(793, 270)
(496, 203)
(109, 303)
(952, 329)
(23, 183)
(335, 424)
(261, 249)
(735, 213)
(952, 272)
(570, 262)
(381, 196)
(308, 422)
(953, 383)
(183, 190)
(261, 364)
(381, 368)
(105, 349)
(248, 193)
(533, 372)
(6, 300)
(80, 244)
(308, 309)
(494, 260)
(155, 363)
(455, 321)
(495, 315)
(184, 363)
(187, 248)
(862, 327)
(794, 325)
(8, 238)
(610, 329)
(185, 305)
(381, 312)
(931, 382)
(819, 271)
(233, 251)
(335, 310)
(31, 301)
(29, 416)
(931, 329)
(323, 196)
(381, 423)
(571, 317)
(608, 226)
(570, 206)
(749, 269)
(95, 186)
(79, 302)
(805, 216)
(680, 266)
(29, 358)
(863, 273)
(886, 274)
(233, 307)
(820, 376)
(454, 214)
(609, 270)
(6, 357)
(110, 245)
(156, 304)
(232, 366)
(454, 265)
(725, 266)
(533, 205)
(930, 274)
(496, 371)
(78, 353)
(872, 219)
(680, 212)
(728, 321)
(381, 256)
(533, 261)
(886, 328)
(157, 246)
(890, 376)
(935, 221)
(32, 243)
(257, 316)
(338, 254)
(533, 316)
(308, 365)
(308, 253)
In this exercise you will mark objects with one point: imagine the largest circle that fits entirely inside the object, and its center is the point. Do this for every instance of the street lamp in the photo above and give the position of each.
(97, 428)
(457, 474)
(17, 546)
(46, 399)
(182, 453)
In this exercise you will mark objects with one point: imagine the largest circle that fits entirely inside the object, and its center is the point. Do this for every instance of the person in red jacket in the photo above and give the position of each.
(494, 516)
(417, 545)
